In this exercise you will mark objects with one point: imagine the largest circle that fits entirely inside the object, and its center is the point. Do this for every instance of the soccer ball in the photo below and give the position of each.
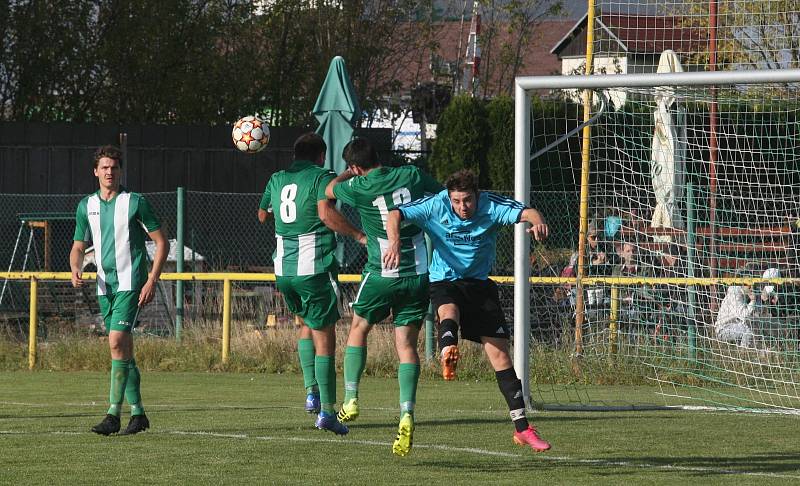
(250, 134)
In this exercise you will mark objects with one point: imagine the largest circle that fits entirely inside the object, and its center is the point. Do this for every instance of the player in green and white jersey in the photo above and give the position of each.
(306, 269)
(116, 222)
(374, 190)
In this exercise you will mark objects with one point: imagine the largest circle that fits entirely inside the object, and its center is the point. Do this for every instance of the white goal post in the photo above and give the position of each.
(522, 155)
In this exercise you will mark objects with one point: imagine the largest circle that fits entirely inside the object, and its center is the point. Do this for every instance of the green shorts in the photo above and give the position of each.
(315, 298)
(119, 310)
(406, 298)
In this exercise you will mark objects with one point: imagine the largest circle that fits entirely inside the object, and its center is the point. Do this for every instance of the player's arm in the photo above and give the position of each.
(346, 175)
(334, 220)
(76, 262)
(391, 258)
(538, 227)
(505, 210)
(264, 215)
(79, 243)
(264, 209)
(162, 249)
(148, 220)
(417, 212)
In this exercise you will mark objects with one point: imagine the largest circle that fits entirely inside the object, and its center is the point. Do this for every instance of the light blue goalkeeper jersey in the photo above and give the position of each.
(462, 248)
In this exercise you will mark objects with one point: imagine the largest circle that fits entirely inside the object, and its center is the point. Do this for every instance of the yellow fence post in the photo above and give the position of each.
(613, 318)
(226, 320)
(33, 321)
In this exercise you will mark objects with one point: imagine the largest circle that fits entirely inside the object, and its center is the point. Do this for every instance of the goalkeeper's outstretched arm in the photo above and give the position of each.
(538, 228)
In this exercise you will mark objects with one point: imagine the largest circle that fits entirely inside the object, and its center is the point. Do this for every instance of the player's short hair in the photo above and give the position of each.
(361, 153)
(463, 180)
(309, 146)
(108, 151)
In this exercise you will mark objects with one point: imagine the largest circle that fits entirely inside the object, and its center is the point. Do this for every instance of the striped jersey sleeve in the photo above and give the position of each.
(145, 215)
(325, 179)
(344, 192)
(82, 232)
(504, 210)
(265, 198)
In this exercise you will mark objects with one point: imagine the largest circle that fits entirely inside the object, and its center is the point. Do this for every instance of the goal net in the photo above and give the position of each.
(686, 265)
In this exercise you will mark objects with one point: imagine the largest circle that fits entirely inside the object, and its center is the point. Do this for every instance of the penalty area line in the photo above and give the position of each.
(340, 441)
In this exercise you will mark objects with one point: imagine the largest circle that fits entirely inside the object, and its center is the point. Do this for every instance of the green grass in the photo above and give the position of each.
(240, 428)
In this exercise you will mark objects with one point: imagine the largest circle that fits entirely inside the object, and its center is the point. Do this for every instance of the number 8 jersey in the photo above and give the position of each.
(374, 195)
(305, 246)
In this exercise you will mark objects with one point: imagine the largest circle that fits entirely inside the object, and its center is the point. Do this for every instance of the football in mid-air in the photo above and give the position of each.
(250, 134)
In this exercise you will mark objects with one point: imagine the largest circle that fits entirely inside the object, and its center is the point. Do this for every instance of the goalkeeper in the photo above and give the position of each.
(463, 224)
(373, 190)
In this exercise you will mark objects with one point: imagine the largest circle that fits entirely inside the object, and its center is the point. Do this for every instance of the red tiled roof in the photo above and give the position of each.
(654, 34)
(635, 33)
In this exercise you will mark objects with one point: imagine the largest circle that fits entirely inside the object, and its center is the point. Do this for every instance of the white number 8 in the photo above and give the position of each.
(288, 209)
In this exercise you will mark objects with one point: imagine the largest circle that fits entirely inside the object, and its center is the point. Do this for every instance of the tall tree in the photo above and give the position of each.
(508, 29)
(47, 71)
(462, 140)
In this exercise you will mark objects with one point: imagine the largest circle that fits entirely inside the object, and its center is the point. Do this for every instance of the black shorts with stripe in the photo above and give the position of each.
(478, 305)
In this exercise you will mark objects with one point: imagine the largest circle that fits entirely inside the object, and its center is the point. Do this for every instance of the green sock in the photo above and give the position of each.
(355, 359)
(408, 377)
(132, 393)
(325, 371)
(119, 377)
(305, 351)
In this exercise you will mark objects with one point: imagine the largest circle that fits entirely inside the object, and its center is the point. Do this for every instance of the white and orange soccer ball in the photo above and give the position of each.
(250, 134)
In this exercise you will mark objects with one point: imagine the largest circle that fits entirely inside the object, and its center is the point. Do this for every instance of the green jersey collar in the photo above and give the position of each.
(122, 190)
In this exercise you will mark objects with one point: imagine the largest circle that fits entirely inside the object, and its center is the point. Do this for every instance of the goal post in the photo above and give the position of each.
(754, 380)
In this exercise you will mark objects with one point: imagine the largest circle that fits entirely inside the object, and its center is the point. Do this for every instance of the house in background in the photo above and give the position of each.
(628, 44)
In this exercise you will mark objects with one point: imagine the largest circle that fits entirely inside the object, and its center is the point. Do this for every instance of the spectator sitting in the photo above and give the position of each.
(565, 294)
(602, 259)
(735, 316)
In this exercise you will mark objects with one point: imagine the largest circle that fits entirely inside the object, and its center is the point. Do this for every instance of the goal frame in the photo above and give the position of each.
(522, 151)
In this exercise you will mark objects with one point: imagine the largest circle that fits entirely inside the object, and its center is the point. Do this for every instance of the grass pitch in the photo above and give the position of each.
(222, 428)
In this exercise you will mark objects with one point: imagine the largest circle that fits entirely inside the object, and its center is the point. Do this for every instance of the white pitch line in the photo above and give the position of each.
(179, 406)
(469, 450)
(339, 441)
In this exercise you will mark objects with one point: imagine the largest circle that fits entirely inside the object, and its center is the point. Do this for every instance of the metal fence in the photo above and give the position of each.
(221, 233)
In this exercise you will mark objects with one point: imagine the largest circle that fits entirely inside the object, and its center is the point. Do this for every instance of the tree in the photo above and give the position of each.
(196, 61)
(462, 140)
(47, 71)
(500, 158)
(755, 34)
(508, 28)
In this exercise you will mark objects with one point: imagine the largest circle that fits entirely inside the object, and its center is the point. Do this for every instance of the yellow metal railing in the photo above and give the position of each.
(227, 278)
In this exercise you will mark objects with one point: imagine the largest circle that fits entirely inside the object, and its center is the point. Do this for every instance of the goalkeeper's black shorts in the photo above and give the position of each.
(478, 304)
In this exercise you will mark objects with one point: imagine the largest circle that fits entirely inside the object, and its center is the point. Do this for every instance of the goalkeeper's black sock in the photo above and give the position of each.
(448, 333)
(511, 388)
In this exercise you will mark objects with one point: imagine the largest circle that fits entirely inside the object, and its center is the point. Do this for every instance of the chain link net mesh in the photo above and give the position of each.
(222, 234)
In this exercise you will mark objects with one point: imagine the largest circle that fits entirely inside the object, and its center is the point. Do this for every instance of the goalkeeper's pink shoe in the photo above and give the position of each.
(531, 438)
